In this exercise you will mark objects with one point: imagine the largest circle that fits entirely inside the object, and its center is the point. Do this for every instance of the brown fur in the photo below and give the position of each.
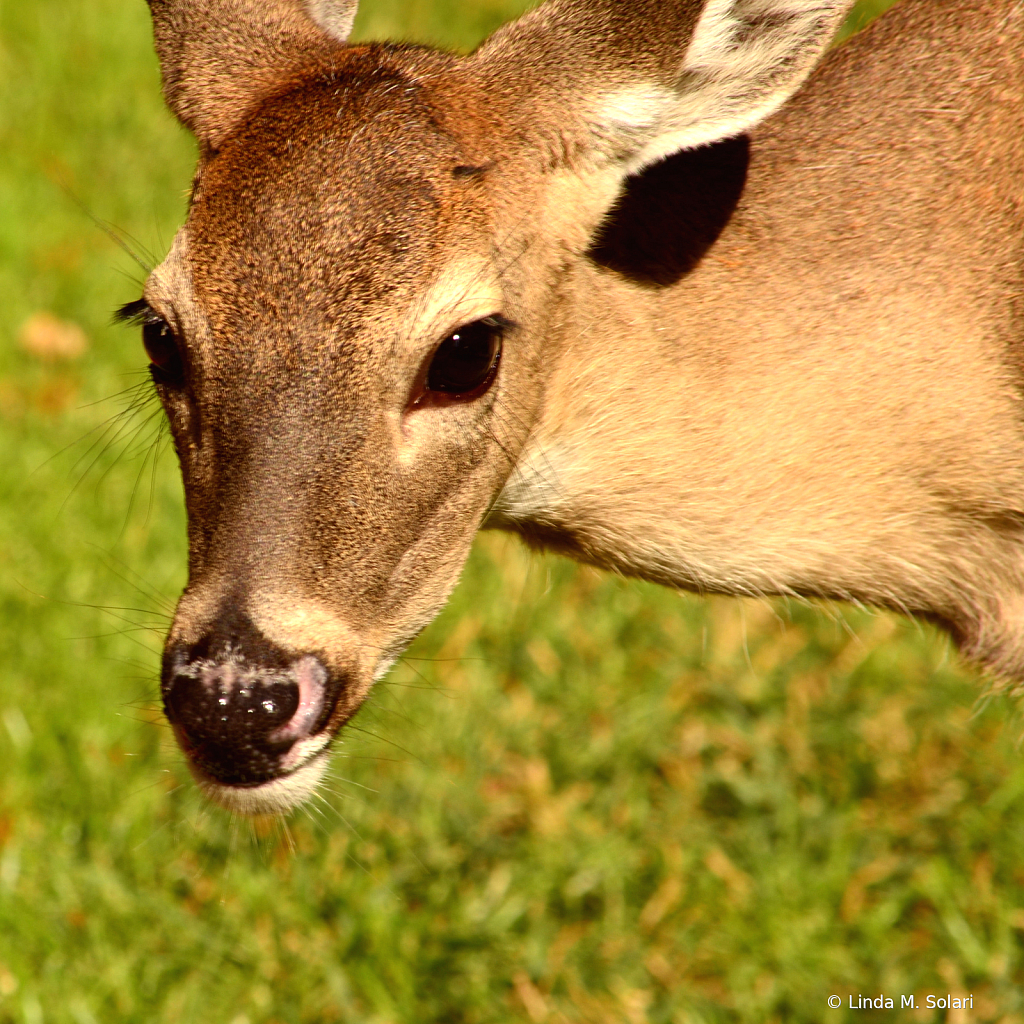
(784, 365)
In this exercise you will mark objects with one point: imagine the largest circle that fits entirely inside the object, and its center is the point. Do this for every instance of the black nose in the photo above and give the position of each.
(239, 703)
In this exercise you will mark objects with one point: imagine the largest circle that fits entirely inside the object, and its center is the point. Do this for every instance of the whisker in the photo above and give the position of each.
(114, 234)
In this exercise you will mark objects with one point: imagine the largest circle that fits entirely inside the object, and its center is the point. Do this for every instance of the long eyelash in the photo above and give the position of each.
(137, 313)
(499, 321)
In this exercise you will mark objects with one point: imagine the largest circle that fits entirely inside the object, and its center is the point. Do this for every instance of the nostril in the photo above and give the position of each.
(313, 708)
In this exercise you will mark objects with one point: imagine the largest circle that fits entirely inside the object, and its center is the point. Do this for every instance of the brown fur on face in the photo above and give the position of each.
(779, 363)
(308, 250)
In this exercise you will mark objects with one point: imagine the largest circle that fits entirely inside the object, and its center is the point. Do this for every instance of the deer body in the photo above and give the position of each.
(829, 403)
(553, 287)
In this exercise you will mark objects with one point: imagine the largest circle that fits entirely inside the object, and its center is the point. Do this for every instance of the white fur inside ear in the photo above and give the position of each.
(746, 58)
(745, 40)
(335, 17)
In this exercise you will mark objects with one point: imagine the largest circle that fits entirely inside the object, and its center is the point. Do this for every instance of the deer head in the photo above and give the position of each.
(353, 332)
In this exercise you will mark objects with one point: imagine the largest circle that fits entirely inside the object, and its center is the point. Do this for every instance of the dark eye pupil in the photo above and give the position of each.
(162, 349)
(467, 359)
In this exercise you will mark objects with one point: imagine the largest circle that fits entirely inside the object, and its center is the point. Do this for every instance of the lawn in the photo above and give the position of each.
(579, 798)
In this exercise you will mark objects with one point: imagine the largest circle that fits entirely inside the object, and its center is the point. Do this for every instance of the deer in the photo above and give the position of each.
(673, 287)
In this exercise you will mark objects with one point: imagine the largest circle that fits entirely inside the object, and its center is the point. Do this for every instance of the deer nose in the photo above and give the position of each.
(242, 717)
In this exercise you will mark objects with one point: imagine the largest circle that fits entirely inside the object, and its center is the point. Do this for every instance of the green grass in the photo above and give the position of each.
(578, 799)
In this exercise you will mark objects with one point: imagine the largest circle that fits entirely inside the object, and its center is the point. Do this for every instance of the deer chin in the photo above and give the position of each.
(277, 796)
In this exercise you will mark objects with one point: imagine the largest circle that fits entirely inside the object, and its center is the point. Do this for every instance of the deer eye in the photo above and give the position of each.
(164, 355)
(466, 362)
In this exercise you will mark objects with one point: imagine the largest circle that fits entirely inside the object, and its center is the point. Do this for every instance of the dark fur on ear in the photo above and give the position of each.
(219, 58)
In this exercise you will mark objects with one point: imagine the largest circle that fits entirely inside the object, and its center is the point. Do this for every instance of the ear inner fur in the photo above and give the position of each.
(335, 17)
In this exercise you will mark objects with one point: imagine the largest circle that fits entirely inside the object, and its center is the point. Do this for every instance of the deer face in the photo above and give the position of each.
(332, 341)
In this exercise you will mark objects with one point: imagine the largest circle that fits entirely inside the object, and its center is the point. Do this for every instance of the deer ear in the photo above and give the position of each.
(220, 57)
(335, 17)
(631, 81)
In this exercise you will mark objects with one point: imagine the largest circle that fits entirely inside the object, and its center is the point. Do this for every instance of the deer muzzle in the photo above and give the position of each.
(253, 720)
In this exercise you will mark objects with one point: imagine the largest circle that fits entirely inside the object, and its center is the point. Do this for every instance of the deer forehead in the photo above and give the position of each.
(340, 212)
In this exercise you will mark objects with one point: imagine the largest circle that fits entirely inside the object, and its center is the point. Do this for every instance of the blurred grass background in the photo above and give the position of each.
(579, 798)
